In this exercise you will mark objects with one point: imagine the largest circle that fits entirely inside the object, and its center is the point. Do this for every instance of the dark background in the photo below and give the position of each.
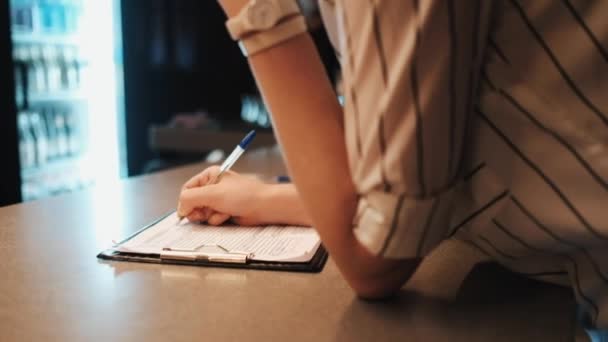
(10, 179)
(177, 58)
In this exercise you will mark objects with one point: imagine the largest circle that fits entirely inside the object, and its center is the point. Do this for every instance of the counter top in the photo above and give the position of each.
(53, 287)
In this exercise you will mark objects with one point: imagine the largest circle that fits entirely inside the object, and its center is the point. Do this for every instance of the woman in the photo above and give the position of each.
(482, 121)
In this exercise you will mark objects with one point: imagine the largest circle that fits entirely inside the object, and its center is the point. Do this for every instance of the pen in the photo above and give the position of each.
(227, 164)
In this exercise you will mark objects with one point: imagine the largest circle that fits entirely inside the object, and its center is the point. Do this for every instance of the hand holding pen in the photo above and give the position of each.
(210, 176)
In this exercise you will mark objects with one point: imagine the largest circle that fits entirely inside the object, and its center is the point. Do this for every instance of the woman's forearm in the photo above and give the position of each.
(282, 204)
(307, 118)
(309, 126)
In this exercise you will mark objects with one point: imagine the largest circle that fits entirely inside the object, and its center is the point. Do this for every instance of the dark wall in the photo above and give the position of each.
(10, 181)
(178, 57)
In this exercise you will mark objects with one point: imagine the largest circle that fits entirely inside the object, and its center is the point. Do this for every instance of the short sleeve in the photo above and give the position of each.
(410, 71)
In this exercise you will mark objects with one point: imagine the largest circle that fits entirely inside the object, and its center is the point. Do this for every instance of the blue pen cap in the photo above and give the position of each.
(247, 140)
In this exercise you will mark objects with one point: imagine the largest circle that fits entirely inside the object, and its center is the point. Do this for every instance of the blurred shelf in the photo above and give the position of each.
(31, 190)
(65, 165)
(49, 38)
(188, 140)
(54, 96)
(62, 96)
(55, 177)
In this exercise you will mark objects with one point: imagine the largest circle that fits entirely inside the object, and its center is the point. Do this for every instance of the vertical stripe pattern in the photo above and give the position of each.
(485, 121)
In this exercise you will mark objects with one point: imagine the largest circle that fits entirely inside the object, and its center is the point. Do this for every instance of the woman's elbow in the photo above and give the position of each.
(381, 286)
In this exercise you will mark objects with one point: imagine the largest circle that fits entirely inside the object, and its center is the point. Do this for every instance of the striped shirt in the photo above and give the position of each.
(485, 121)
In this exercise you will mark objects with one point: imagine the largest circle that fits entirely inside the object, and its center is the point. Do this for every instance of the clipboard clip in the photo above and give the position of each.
(194, 254)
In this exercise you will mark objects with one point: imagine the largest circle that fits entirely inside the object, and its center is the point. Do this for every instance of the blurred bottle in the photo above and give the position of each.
(44, 69)
(31, 72)
(72, 132)
(61, 22)
(246, 109)
(71, 68)
(63, 67)
(22, 16)
(27, 153)
(53, 70)
(45, 10)
(254, 111)
(73, 10)
(61, 135)
(52, 14)
(20, 67)
(40, 138)
(36, 71)
(48, 118)
(78, 64)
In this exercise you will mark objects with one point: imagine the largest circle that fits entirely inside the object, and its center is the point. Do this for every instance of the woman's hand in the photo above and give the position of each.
(235, 196)
(244, 199)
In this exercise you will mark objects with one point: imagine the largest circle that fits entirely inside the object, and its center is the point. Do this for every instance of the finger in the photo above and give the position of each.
(197, 215)
(218, 218)
(206, 196)
(202, 178)
(206, 213)
(197, 180)
(200, 214)
(194, 181)
(182, 213)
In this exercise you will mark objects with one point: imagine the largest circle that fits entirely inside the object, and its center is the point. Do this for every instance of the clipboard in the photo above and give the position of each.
(223, 259)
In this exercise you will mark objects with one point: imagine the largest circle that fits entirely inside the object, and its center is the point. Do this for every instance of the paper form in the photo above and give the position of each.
(272, 243)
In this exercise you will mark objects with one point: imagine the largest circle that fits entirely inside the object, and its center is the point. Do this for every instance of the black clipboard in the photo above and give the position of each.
(315, 265)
